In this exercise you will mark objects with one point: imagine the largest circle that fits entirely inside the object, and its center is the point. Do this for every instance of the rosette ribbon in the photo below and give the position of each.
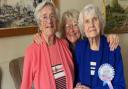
(106, 74)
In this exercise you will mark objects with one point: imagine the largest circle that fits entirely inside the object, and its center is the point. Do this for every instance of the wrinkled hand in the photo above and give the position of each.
(37, 38)
(113, 40)
(79, 86)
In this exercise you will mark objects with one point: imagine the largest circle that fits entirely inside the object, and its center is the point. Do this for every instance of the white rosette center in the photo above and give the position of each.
(106, 74)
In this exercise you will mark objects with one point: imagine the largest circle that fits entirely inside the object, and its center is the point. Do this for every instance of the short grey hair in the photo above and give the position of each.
(69, 14)
(90, 9)
(40, 6)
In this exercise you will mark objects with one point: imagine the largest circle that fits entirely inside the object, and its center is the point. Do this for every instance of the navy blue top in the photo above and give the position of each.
(82, 60)
(94, 57)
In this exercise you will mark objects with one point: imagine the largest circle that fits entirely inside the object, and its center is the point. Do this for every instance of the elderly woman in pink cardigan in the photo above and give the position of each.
(49, 65)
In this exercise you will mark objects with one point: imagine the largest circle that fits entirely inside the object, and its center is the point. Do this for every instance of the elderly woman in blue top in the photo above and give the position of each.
(93, 56)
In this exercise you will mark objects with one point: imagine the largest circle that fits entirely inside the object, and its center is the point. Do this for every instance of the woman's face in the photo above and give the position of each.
(72, 31)
(91, 26)
(48, 21)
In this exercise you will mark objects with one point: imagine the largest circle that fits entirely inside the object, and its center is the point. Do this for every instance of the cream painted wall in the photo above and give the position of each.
(14, 47)
(73, 4)
(11, 48)
(124, 49)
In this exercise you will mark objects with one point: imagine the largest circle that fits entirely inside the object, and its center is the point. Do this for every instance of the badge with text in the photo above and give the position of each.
(106, 74)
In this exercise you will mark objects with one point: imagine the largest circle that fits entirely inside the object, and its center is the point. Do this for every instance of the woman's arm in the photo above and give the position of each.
(27, 71)
(119, 81)
(113, 40)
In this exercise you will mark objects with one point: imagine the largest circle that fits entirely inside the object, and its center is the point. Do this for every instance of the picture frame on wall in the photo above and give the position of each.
(17, 17)
(116, 15)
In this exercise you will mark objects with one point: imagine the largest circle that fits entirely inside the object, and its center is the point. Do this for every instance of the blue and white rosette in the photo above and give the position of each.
(106, 74)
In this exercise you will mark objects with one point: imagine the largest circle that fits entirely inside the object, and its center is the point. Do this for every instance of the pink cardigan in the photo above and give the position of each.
(37, 66)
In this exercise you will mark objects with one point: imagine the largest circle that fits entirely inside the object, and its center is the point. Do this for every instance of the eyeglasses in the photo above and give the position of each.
(46, 18)
(71, 26)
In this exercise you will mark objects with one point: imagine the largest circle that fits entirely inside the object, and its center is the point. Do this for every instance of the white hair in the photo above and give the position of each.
(40, 6)
(92, 10)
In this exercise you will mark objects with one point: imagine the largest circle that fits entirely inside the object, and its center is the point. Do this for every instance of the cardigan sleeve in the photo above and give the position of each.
(27, 70)
(118, 81)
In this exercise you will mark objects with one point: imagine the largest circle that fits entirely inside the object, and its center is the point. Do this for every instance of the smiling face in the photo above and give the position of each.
(72, 31)
(48, 20)
(91, 26)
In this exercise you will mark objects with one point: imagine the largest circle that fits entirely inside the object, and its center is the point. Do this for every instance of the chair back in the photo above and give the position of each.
(16, 70)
